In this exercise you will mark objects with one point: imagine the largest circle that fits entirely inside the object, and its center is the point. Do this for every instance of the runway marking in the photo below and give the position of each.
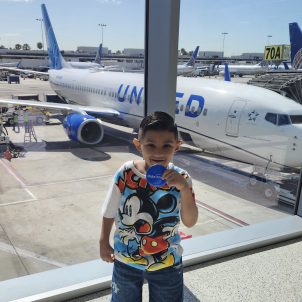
(23, 182)
(221, 214)
(16, 176)
(72, 180)
(203, 222)
(16, 202)
(32, 256)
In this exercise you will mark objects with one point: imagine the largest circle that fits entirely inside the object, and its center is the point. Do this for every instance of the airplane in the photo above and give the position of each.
(95, 64)
(244, 69)
(238, 121)
(189, 66)
(12, 63)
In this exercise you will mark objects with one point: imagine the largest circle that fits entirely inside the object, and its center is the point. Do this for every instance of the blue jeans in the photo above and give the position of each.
(164, 285)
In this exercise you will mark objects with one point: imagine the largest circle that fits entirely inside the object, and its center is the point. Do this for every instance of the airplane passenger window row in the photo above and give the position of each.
(96, 91)
(280, 119)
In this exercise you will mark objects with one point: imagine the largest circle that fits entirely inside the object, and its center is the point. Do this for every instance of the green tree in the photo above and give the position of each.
(18, 46)
(183, 52)
(39, 45)
(26, 47)
(118, 52)
(190, 53)
(2, 46)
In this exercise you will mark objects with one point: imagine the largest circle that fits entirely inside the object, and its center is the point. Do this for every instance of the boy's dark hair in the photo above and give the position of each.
(158, 121)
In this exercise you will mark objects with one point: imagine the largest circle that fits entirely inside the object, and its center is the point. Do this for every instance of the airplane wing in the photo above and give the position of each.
(105, 113)
(24, 70)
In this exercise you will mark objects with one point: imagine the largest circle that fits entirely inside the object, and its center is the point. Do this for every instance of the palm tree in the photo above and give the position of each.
(190, 53)
(18, 46)
(39, 45)
(2, 46)
(183, 52)
(26, 47)
(118, 52)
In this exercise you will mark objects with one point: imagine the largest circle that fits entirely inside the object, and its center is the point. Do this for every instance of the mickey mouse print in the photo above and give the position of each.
(147, 219)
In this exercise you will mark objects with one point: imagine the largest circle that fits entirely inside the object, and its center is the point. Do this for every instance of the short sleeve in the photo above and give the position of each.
(112, 201)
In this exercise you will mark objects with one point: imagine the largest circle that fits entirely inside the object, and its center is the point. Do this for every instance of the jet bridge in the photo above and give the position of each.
(287, 83)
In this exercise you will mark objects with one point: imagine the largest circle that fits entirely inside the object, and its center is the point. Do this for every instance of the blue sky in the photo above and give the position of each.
(247, 22)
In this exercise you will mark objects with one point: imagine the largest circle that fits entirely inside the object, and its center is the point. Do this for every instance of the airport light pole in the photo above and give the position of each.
(269, 36)
(102, 31)
(42, 33)
(223, 43)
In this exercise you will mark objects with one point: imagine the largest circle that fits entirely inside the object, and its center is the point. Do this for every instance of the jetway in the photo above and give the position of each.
(287, 83)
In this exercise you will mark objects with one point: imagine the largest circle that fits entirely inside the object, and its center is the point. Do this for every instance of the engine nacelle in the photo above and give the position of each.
(83, 129)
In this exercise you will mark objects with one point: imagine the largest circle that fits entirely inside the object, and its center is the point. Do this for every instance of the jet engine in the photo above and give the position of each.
(83, 129)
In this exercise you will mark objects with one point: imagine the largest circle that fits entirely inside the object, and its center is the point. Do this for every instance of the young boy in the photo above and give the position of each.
(146, 240)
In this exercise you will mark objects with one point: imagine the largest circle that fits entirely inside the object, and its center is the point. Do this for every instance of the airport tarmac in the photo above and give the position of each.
(51, 199)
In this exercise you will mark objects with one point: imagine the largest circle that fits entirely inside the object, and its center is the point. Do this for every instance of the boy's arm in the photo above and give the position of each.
(106, 251)
(189, 211)
(109, 212)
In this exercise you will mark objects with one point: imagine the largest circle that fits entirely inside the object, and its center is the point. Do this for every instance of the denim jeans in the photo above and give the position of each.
(165, 285)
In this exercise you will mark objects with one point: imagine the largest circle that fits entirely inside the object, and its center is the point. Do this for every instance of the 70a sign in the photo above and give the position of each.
(277, 53)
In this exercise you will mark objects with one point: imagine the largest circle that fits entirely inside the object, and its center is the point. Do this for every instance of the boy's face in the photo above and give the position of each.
(157, 147)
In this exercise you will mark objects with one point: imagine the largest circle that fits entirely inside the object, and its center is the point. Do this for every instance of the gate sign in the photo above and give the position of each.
(277, 53)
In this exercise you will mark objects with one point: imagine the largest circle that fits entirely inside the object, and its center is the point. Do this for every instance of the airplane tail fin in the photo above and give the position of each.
(18, 64)
(55, 58)
(285, 65)
(295, 36)
(263, 63)
(227, 76)
(98, 55)
(192, 60)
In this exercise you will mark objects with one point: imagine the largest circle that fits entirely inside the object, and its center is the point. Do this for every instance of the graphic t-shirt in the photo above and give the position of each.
(146, 219)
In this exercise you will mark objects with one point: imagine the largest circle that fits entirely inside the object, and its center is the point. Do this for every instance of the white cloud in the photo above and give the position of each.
(116, 2)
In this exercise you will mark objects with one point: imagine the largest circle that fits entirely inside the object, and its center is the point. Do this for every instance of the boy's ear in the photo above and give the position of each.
(178, 146)
(137, 144)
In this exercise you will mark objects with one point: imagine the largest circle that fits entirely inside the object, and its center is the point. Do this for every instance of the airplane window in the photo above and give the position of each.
(99, 91)
(187, 109)
(198, 110)
(140, 99)
(205, 111)
(271, 117)
(193, 109)
(128, 97)
(181, 107)
(296, 119)
(109, 93)
(177, 105)
(283, 120)
(102, 92)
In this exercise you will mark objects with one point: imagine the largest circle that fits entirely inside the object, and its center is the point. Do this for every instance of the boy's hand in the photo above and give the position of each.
(106, 252)
(175, 179)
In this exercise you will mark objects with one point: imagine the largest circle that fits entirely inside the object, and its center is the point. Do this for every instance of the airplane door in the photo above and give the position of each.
(233, 119)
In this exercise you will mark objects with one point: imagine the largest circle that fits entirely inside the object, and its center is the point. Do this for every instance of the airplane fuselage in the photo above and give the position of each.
(242, 70)
(225, 118)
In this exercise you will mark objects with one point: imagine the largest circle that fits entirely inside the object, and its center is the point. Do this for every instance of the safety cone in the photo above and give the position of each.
(8, 156)
(23, 77)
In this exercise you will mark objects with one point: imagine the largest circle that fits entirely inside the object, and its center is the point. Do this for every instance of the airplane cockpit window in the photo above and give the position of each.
(296, 119)
(271, 117)
(283, 119)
